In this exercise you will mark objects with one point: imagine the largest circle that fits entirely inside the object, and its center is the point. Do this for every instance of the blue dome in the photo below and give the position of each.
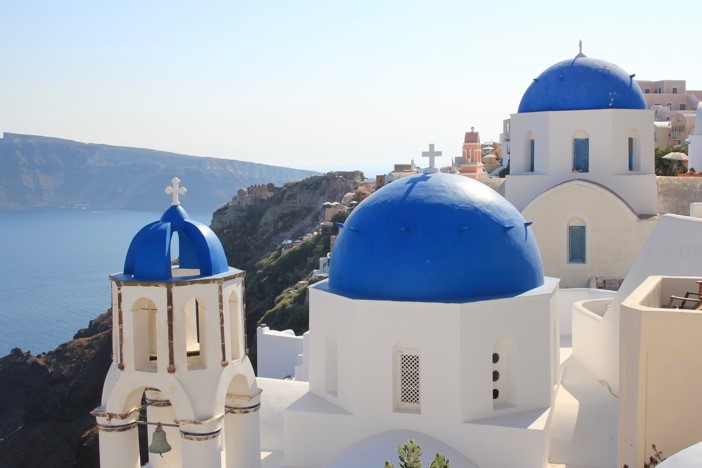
(582, 83)
(435, 238)
(149, 254)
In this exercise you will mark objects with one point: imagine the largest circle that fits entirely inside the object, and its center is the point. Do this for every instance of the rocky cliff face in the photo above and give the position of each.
(45, 401)
(248, 231)
(39, 171)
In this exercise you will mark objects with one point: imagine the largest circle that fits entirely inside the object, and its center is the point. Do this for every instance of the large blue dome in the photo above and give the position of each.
(582, 83)
(435, 238)
(149, 254)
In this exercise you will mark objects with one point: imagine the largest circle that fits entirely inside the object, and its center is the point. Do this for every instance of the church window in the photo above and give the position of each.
(631, 153)
(331, 375)
(145, 336)
(576, 244)
(531, 155)
(195, 333)
(581, 155)
(407, 393)
(236, 326)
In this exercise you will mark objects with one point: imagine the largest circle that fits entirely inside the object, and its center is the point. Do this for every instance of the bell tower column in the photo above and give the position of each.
(241, 432)
(202, 445)
(118, 436)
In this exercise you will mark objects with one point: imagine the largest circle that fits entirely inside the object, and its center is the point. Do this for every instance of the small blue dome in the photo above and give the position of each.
(435, 238)
(149, 254)
(582, 83)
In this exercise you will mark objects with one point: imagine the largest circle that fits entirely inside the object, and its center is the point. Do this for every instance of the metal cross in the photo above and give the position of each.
(431, 154)
(175, 190)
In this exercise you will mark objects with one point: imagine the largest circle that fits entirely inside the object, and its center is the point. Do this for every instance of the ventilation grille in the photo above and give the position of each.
(409, 380)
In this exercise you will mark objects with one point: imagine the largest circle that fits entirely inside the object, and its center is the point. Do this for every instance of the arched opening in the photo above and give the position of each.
(236, 327)
(529, 152)
(504, 382)
(407, 377)
(331, 363)
(577, 241)
(195, 333)
(634, 151)
(145, 335)
(581, 151)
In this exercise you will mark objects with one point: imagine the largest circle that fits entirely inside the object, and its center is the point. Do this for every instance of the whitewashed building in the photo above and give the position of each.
(414, 330)
(582, 168)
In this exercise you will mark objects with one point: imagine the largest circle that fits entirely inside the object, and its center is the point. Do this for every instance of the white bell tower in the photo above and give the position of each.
(179, 354)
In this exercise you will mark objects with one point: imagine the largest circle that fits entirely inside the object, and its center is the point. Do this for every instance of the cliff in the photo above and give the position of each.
(252, 235)
(45, 401)
(38, 171)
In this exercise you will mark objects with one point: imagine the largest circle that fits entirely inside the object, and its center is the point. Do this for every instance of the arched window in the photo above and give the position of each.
(236, 327)
(407, 378)
(529, 147)
(145, 335)
(195, 333)
(504, 382)
(331, 364)
(577, 241)
(581, 152)
(633, 151)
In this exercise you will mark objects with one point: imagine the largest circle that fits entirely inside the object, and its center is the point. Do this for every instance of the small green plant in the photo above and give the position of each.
(654, 459)
(410, 454)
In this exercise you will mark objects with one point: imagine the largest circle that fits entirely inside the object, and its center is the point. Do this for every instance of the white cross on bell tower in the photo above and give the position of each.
(431, 154)
(175, 190)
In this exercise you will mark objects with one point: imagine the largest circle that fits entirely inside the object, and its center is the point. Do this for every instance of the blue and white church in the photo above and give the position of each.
(416, 331)
(582, 169)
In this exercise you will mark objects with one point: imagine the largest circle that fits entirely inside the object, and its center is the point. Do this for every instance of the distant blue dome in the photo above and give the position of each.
(435, 238)
(582, 83)
(149, 254)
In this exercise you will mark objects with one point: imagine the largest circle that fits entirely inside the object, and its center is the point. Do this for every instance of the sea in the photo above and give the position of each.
(54, 270)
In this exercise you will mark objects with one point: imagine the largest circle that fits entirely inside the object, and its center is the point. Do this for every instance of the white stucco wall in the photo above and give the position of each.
(661, 372)
(455, 343)
(277, 352)
(608, 131)
(614, 234)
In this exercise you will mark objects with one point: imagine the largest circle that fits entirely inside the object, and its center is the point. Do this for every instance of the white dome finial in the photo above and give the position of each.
(175, 190)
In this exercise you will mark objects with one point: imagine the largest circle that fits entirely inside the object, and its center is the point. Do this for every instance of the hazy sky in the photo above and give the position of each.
(323, 85)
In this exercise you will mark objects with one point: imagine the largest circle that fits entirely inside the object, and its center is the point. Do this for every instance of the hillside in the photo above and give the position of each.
(37, 171)
(252, 237)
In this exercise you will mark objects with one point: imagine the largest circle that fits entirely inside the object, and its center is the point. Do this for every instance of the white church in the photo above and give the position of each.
(451, 316)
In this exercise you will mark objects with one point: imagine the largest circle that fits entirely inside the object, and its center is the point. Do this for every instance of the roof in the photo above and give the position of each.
(149, 254)
(582, 83)
(435, 238)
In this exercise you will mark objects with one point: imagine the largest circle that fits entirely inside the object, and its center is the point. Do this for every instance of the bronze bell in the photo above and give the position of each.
(159, 443)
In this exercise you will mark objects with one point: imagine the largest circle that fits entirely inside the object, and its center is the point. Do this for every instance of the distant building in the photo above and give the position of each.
(671, 102)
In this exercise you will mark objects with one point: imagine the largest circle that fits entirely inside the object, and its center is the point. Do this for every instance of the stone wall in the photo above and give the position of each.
(676, 193)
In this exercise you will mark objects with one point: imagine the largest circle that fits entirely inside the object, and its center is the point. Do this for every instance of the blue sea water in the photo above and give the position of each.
(54, 270)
